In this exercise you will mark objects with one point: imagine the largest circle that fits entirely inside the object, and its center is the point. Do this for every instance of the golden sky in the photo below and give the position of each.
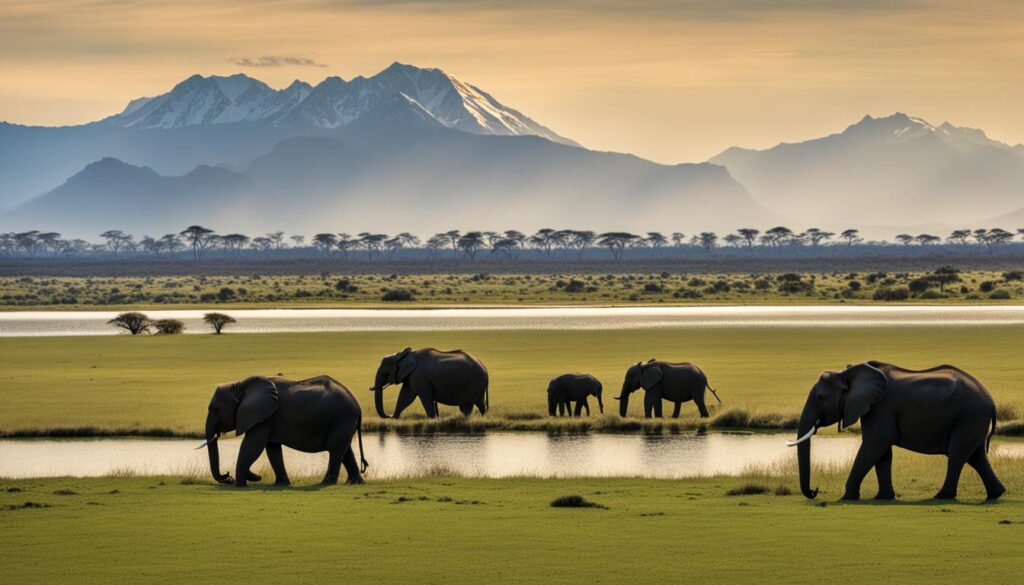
(671, 81)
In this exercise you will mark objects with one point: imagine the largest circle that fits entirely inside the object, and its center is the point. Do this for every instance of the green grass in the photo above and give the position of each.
(119, 384)
(150, 292)
(451, 530)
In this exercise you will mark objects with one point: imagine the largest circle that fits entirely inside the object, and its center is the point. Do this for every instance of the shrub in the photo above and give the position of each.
(225, 294)
(1013, 275)
(686, 293)
(169, 326)
(575, 502)
(919, 285)
(653, 287)
(1000, 295)
(854, 285)
(1006, 412)
(575, 286)
(891, 293)
(988, 286)
(134, 323)
(397, 294)
(748, 489)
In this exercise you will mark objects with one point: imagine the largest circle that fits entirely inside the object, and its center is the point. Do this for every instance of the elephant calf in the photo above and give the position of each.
(569, 388)
(675, 382)
(941, 410)
(314, 415)
(455, 378)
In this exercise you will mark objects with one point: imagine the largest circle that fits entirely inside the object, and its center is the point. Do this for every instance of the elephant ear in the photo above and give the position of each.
(865, 387)
(259, 401)
(406, 364)
(651, 376)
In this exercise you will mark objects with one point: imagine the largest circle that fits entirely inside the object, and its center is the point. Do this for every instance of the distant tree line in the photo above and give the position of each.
(197, 242)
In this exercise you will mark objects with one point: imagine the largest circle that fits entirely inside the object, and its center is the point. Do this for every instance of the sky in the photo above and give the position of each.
(672, 81)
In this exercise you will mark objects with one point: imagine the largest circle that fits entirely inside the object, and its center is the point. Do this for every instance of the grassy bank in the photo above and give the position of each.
(325, 290)
(162, 384)
(434, 530)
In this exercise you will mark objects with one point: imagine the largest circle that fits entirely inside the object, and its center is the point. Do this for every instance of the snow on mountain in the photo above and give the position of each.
(333, 103)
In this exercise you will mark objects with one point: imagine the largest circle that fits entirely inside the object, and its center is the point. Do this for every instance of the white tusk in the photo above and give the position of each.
(810, 433)
(205, 443)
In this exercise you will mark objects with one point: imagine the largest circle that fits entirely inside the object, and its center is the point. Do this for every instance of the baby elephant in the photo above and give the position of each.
(676, 382)
(569, 388)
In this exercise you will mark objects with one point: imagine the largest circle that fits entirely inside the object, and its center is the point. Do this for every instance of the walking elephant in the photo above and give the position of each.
(675, 382)
(941, 410)
(313, 415)
(453, 378)
(569, 388)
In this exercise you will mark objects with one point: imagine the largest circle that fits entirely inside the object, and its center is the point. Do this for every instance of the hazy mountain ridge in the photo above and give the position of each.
(896, 170)
(391, 177)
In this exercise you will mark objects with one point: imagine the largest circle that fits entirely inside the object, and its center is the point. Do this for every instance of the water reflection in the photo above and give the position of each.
(490, 455)
(49, 323)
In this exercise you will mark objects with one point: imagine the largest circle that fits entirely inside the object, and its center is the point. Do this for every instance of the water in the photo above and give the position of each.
(56, 323)
(490, 455)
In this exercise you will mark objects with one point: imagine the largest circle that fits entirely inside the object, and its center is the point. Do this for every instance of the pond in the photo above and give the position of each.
(489, 455)
(51, 323)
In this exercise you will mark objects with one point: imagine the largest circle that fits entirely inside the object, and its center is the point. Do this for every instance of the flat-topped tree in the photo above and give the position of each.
(218, 321)
(132, 322)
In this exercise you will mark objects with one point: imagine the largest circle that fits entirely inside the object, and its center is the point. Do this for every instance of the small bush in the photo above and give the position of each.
(397, 294)
(575, 286)
(988, 286)
(748, 489)
(891, 293)
(218, 321)
(653, 287)
(1006, 412)
(575, 502)
(1013, 275)
(919, 285)
(169, 326)
(134, 323)
(1000, 295)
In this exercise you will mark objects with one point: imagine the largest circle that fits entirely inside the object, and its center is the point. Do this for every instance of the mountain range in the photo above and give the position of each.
(413, 149)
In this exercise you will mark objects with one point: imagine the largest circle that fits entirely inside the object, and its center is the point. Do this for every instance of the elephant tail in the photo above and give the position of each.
(988, 441)
(363, 463)
(713, 391)
(487, 394)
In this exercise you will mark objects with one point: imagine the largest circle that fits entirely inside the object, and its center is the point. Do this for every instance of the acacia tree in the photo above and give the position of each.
(678, 238)
(171, 243)
(581, 240)
(927, 239)
(817, 236)
(345, 243)
(218, 321)
(655, 240)
(200, 239)
(616, 242)
(905, 239)
(435, 243)
(132, 322)
(298, 241)
(851, 236)
(276, 240)
(959, 237)
(117, 240)
(325, 242)
(234, 243)
(945, 275)
(998, 237)
(471, 243)
(371, 242)
(706, 239)
(750, 235)
(733, 240)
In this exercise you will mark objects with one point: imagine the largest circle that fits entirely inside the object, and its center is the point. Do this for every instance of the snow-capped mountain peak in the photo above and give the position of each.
(332, 103)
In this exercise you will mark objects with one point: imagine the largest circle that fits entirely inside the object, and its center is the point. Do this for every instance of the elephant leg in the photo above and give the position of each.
(429, 405)
(351, 467)
(699, 401)
(979, 461)
(579, 408)
(252, 446)
(276, 458)
(868, 455)
(334, 464)
(405, 398)
(466, 409)
(648, 404)
(676, 409)
(883, 470)
(658, 403)
(586, 405)
(481, 405)
(959, 451)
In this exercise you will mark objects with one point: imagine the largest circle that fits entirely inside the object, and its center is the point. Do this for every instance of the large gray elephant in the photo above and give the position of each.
(453, 378)
(675, 382)
(941, 410)
(314, 415)
(569, 388)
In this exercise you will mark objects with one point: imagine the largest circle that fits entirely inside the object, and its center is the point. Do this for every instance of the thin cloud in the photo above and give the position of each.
(276, 61)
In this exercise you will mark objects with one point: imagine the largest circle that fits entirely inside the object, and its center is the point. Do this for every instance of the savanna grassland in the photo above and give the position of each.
(326, 290)
(175, 530)
(162, 384)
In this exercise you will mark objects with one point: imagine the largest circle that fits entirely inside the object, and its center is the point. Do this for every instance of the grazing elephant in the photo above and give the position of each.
(942, 410)
(569, 388)
(675, 382)
(454, 378)
(314, 415)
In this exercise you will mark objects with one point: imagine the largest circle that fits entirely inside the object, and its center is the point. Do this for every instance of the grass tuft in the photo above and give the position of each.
(748, 489)
(575, 502)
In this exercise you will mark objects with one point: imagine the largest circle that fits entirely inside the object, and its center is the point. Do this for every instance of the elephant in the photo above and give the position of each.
(941, 410)
(675, 382)
(569, 388)
(312, 415)
(453, 378)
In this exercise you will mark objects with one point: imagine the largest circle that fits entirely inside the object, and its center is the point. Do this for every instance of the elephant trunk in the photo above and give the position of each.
(600, 403)
(214, 451)
(623, 399)
(378, 401)
(805, 428)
